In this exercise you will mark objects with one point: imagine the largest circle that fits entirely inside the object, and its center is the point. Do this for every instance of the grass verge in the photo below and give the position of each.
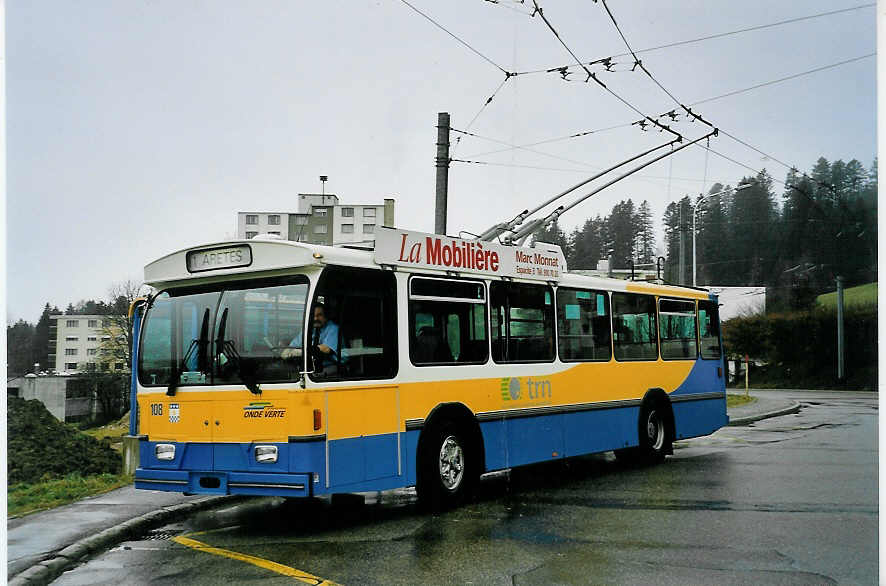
(736, 400)
(860, 295)
(26, 497)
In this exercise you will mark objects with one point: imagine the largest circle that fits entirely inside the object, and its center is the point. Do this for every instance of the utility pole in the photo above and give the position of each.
(682, 278)
(442, 172)
(841, 367)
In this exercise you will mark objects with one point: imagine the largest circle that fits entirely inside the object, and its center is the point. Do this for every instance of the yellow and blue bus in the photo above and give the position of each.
(434, 360)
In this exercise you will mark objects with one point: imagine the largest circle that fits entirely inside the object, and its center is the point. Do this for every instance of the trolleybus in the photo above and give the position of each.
(271, 367)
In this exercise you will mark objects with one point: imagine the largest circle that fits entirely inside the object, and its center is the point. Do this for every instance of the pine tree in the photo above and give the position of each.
(645, 243)
(553, 234)
(586, 245)
(42, 338)
(19, 348)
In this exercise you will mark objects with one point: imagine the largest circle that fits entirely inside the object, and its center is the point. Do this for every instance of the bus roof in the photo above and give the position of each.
(224, 260)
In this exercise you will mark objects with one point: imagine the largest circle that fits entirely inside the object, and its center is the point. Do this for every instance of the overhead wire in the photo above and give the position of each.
(782, 79)
(538, 10)
(457, 38)
(705, 100)
(686, 108)
(714, 36)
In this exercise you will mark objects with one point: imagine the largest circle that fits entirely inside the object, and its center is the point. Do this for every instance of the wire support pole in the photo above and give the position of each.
(442, 161)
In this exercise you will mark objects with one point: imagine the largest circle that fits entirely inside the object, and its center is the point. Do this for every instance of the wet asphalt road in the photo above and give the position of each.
(789, 500)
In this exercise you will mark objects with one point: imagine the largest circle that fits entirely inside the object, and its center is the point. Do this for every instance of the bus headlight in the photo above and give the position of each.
(164, 452)
(266, 454)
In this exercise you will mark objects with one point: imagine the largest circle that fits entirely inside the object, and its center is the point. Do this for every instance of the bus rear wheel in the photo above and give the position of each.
(447, 468)
(655, 436)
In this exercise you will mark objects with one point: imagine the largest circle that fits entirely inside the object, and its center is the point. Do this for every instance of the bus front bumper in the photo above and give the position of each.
(214, 482)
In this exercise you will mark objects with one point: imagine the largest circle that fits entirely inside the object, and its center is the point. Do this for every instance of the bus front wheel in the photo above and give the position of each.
(447, 468)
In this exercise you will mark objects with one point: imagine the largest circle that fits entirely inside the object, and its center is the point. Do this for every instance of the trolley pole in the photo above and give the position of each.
(841, 367)
(442, 172)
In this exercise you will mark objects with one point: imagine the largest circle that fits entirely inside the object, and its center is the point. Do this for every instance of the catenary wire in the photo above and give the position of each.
(538, 10)
(457, 38)
(715, 36)
(711, 99)
(782, 79)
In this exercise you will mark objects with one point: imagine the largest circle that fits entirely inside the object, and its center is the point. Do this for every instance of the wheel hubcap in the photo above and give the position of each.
(655, 431)
(452, 463)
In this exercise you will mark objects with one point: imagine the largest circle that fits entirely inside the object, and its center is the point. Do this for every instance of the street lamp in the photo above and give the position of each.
(695, 217)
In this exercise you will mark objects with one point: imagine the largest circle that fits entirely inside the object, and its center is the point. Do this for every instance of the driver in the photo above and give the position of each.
(325, 339)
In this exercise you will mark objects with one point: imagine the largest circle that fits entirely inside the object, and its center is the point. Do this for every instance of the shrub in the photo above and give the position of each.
(804, 344)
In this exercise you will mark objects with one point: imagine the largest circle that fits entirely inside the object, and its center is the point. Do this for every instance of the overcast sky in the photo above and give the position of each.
(135, 128)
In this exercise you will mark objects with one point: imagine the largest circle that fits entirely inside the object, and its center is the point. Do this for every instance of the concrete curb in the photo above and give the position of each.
(48, 570)
(793, 408)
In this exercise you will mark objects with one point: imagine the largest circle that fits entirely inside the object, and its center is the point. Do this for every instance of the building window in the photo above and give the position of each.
(70, 351)
(90, 366)
(347, 212)
(71, 338)
(347, 228)
(93, 323)
(105, 338)
(91, 351)
(321, 229)
(301, 220)
(118, 366)
(251, 235)
(106, 323)
(320, 212)
(251, 219)
(274, 232)
(274, 220)
(106, 366)
(70, 366)
(91, 339)
(369, 228)
(368, 212)
(73, 323)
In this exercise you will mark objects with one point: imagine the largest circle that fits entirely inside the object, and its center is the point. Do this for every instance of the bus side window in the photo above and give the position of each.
(583, 325)
(677, 329)
(709, 330)
(633, 322)
(523, 318)
(447, 321)
(362, 304)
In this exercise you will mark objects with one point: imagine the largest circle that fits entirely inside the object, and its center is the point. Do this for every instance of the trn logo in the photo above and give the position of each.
(512, 389)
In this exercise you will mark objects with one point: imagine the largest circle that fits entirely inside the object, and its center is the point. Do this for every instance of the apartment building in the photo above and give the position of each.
(75, 340)
(320, 219)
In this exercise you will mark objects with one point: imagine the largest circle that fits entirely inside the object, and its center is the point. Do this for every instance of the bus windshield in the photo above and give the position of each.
(234, 333)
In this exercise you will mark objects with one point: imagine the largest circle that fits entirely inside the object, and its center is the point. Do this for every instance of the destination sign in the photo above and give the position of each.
(212, 259)
(545, 262)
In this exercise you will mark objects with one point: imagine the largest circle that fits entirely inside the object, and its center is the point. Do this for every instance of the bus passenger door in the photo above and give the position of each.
(362, 434)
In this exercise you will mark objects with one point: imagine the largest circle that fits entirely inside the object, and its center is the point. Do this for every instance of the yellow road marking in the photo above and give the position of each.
(255, 561)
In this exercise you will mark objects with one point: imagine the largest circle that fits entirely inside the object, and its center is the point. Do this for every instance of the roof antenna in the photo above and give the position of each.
(323, 179)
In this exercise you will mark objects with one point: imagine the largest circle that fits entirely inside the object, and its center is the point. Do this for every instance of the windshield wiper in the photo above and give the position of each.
(227, 349)
(196, 344)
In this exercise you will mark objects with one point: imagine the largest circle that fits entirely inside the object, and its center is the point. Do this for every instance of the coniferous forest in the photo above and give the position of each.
(793, 237)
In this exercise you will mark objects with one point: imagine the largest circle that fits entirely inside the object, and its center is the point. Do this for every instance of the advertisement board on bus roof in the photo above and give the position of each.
(544, 262)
